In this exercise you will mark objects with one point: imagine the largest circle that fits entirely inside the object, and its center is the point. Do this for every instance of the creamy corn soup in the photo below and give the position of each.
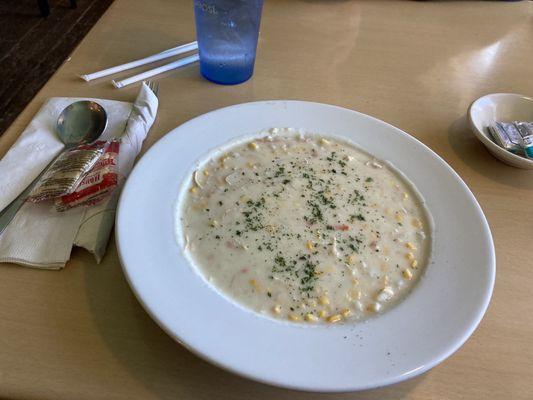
(305, 228)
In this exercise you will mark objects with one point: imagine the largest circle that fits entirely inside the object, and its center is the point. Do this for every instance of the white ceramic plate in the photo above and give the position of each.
(429, 325)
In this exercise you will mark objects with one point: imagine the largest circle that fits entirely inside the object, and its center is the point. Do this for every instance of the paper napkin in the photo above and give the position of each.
(39, 236)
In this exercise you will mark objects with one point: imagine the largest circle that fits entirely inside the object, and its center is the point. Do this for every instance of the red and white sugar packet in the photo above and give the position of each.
(98, 184)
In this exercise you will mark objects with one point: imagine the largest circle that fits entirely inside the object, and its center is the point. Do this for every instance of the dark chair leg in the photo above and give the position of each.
(44, 7)
(73, 4)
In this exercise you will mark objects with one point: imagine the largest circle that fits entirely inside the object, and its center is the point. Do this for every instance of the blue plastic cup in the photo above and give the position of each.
(227, 32)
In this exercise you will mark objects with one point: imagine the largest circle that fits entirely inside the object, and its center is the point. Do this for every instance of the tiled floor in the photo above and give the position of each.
(32, 47)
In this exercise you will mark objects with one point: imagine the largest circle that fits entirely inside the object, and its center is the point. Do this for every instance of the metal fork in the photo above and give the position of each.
(154, 87)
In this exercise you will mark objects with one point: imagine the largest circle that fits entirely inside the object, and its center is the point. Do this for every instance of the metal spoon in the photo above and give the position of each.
(80, 123)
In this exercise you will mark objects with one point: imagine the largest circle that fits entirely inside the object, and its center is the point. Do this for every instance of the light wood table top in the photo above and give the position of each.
(81, 334)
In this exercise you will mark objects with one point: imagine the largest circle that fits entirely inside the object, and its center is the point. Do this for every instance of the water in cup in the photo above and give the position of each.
(227, 32)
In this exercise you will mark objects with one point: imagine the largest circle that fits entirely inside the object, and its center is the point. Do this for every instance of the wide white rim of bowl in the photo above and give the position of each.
(483, 136)
(423, 330)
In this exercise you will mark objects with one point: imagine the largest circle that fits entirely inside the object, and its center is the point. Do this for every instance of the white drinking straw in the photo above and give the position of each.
(147, 60)
(159, 70)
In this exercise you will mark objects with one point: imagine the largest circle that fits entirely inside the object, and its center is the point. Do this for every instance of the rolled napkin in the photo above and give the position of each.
(96, 226)
(39, 236)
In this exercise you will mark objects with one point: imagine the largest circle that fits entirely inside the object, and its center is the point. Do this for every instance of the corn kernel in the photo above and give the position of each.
(346, 312)
(294, 317)
(407, 274)
(193, 189)
(410, 245)
(253, 146)
(374, 307)
(311, 318)
(414, 263)
(310, 245)
(405, 196)
(354, 294)
(335, 318)
(399, 217)
(324, 141)
(254, 283)
(416, 223)
(277, 309)
(323, 300)
(410, 256)
(206, 172)
(322, 314)
(249, 164)
(214, 223)
(351, 259)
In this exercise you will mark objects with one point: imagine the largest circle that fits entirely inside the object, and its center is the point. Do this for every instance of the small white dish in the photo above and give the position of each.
(506, 107)
(420, 332)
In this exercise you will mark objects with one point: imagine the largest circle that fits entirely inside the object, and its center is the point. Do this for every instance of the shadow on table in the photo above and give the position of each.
(477, 157)
(164, 367)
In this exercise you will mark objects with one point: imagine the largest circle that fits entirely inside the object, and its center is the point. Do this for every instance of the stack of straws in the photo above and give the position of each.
(516, 137)
(147, 60)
